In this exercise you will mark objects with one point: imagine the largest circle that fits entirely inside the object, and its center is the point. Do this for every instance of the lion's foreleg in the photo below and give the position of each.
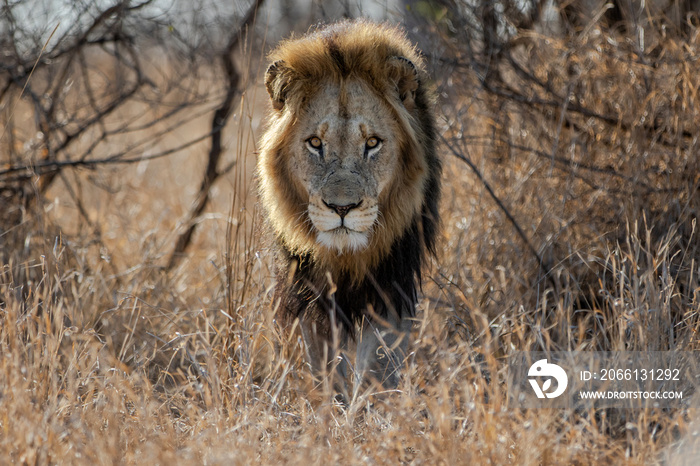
(381, 350)
(324, 348)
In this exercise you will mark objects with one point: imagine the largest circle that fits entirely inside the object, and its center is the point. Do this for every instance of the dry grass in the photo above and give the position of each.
(105, 358)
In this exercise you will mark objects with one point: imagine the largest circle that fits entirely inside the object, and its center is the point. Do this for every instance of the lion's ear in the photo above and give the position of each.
(276, 81)
(405, 75)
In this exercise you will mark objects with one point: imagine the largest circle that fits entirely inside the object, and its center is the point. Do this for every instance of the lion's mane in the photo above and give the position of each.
(384, 276)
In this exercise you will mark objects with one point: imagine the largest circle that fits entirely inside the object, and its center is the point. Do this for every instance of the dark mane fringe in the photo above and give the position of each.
(390, 287)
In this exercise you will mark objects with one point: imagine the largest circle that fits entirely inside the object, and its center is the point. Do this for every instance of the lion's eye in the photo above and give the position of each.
(315, 145)
(371, 145)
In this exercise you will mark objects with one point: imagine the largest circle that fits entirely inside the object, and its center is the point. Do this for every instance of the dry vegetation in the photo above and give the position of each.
(571, 198)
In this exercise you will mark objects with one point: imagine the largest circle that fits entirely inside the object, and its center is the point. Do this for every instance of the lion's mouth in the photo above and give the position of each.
(342, 229)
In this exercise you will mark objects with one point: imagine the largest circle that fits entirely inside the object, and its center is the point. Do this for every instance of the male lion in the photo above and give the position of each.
(350, 183)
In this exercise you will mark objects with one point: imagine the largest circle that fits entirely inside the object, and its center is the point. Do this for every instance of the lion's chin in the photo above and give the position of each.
(343, 240)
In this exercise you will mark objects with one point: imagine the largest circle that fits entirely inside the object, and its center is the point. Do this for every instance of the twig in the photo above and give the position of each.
(221, 116)
(545, 269)
(114, 159)
(12, 112)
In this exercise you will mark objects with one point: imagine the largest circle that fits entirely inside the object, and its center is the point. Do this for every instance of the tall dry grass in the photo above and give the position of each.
(105, 357)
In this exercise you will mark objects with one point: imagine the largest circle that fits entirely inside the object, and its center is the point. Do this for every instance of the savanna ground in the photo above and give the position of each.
(571, 194)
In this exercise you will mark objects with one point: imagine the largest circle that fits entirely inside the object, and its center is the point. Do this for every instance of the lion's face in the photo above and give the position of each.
(343, 157)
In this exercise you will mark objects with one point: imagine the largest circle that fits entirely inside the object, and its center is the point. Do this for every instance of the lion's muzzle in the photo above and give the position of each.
(343, 210)
(343, 227)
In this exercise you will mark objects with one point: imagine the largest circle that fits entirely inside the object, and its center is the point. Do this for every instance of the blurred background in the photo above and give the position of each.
(136, 319)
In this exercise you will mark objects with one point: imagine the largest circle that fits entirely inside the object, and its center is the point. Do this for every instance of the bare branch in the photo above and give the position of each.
(464, 158)
(221, 116)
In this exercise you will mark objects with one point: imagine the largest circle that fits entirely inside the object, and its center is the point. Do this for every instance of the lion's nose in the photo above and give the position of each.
(342, 210)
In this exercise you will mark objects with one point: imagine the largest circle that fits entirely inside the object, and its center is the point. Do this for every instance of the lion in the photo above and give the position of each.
(349, 181)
